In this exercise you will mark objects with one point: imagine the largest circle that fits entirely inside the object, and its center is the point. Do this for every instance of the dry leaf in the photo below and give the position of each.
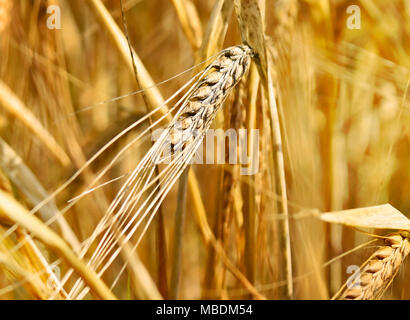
(251, 24)
(378, 217)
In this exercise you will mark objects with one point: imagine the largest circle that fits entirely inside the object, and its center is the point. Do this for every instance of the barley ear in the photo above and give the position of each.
(379, 270)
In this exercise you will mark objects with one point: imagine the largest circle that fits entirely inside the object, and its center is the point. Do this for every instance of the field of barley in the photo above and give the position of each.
(204, 149)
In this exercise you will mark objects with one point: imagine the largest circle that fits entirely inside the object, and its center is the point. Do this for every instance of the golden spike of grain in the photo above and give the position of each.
(208, 95)
(183, 135)
(379, 271)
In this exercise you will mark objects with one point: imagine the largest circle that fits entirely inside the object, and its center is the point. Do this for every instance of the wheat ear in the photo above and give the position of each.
(379, 270)
(141, 195)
